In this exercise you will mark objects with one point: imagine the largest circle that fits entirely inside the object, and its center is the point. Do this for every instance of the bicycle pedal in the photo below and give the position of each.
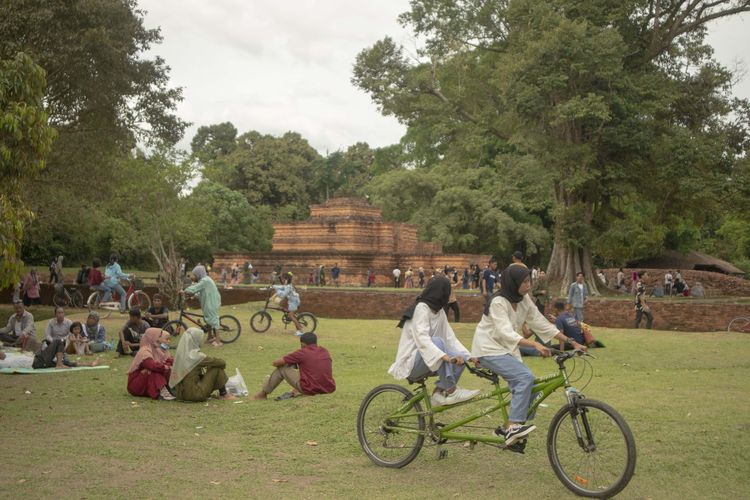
(518, 447)
(441, 454)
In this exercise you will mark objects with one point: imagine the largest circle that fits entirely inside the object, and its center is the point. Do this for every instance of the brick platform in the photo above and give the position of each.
(684, 314)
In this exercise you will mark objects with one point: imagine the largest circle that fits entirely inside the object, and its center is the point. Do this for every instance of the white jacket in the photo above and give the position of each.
(416, 337)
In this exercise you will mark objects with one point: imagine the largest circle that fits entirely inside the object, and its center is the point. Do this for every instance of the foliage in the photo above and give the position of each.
(620, 104)
(25, 141)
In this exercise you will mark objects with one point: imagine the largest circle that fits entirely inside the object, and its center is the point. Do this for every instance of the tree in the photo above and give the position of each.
(598, 93)
(228, 221)
(275, 172)
(25, 141)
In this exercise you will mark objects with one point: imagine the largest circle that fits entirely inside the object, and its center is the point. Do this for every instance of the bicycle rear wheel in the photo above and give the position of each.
(390, 431)
(140, 300)
(741, 324)
(93, 305)
(260, 321)
(229, 329)
(307, 321)
(175, 327)
(601, 462)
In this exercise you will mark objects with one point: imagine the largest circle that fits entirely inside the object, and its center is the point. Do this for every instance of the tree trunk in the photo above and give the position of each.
(170, 277)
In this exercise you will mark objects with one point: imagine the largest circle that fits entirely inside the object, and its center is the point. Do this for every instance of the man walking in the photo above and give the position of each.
(578, 295)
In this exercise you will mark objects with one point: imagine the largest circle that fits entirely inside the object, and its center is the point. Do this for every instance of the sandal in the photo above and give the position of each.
(286, 395)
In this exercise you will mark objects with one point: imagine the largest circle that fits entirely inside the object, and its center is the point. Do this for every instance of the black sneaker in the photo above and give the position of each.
(500, 431)
(516, 432)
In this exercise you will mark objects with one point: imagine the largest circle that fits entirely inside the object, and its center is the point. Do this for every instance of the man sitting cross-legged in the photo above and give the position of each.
(308, 370)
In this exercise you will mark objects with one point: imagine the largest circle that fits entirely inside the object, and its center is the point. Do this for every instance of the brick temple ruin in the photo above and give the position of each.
(352, 233)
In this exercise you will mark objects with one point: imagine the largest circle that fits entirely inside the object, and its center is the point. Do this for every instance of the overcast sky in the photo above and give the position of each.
(274, 66)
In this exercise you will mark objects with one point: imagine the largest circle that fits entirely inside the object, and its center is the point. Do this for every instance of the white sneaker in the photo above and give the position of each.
(459, 395)
(299, 333)
(437, 399)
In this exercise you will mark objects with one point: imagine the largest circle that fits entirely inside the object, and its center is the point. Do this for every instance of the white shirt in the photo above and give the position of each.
(668, 279)
(497, 334)
(416, 337)
(396, 273)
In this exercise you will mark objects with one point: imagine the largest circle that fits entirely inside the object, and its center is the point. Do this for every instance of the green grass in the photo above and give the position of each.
(82, 435)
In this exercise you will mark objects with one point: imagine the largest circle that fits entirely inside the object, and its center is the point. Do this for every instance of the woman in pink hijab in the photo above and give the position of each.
(149, 373)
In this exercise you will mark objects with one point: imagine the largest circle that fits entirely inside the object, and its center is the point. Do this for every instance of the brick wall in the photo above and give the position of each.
(715, 284)
(684, 314)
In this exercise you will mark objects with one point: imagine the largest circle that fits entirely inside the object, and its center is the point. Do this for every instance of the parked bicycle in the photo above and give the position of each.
(66, 297)
(135, 297)
(261, 320)
(589, 445)
(739, 324)
(229, 326)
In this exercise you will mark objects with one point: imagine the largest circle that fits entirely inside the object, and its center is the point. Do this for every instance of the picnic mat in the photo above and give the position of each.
(51, 370)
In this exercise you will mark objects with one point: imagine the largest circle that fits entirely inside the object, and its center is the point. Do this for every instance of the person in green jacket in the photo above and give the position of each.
(205, 289)
(194, 375)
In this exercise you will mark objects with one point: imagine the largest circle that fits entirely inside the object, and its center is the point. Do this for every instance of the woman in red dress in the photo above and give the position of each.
(149, 373)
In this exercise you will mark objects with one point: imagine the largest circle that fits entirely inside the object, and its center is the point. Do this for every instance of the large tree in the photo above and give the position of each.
(600, 93)
(25, 141)
(106, 94)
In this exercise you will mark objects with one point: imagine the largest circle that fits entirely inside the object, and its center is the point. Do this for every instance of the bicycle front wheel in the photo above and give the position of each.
(175, 327)
(61, 299)
(390, 431)
(260, 321)
(229, 329)
(740, 324)
(139, 299)
(307, 321)
(591, 449)
(77, 298)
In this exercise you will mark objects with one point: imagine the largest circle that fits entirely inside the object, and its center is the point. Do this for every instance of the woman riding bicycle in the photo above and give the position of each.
(287, 291)
(205, 289)
(497, 340)
(112, 276)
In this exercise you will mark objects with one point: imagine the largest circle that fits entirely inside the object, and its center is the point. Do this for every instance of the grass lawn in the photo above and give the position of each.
(81, 435)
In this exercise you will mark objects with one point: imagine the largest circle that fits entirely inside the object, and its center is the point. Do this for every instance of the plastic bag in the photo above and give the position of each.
(236, 384)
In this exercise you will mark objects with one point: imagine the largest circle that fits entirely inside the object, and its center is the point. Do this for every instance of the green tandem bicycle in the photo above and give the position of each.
(589, 445)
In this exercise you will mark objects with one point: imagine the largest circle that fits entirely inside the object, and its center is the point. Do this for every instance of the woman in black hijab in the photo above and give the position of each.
(497, 339)
(428, 344)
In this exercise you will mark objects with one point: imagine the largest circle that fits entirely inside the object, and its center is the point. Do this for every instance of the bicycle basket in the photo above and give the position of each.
(138, 283)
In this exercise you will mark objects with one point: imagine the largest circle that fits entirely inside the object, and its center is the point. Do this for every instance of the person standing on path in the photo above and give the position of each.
(578, 295)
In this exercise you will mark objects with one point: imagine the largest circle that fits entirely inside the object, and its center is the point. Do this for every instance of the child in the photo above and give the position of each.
(77, 342)
(157, 315)
(287, 291)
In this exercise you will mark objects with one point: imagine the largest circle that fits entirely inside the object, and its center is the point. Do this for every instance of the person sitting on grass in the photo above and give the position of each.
(309, 370)
(157, 315)
(194, 375)
(95, 333)
(208, 295)
(151, 368)
(497, 339)
(53, 356)
(572, 328)
(130, 335)
(58, 327)
(77, 343)
(428, 344)
(287, 291)
(20, 330)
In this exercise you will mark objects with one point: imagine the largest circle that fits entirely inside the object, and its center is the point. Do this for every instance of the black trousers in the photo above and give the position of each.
(456, 311)
(46, 357)
(639, 313)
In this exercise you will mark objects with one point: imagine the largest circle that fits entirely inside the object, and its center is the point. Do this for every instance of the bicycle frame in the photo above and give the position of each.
(543, 387)
(114, 303)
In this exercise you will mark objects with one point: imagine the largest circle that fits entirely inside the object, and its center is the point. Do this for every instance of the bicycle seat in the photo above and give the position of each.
(421, 380)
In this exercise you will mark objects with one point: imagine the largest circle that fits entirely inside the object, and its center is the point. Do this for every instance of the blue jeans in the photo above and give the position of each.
(108, 289)
(448, 373)
(578, 313)
(520, 380)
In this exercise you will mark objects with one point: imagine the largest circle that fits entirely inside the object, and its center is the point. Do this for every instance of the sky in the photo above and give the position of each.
(276, 66)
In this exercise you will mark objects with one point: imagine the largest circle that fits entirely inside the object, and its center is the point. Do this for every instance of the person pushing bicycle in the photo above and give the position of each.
(205, 289)
(497, 340)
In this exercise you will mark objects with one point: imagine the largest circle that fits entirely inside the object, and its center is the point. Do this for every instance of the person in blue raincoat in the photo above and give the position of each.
(205, 289)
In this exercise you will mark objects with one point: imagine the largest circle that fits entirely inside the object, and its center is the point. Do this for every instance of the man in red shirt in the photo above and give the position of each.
(308, 370)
